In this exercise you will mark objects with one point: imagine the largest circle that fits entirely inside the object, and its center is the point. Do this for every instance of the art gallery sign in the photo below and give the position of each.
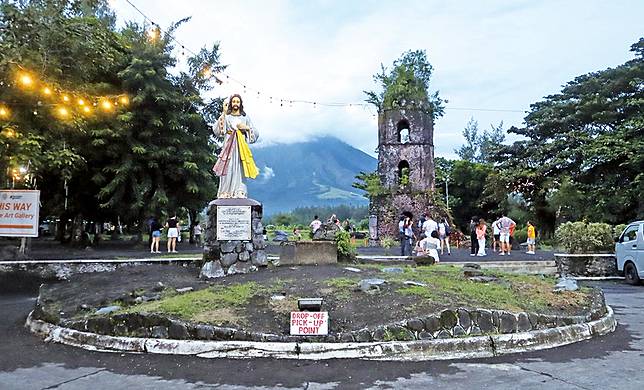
(19, 211)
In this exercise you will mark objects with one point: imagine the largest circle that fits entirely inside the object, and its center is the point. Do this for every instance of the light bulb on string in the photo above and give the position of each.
(87, 110)
(46, 91)
(81, 102)
(4, 112)
(26, 80)
(124, 100)
(154, 33)
(65, 98)
(62, 112)
(106, 105)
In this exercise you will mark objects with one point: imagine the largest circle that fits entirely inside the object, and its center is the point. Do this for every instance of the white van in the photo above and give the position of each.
(629, 249)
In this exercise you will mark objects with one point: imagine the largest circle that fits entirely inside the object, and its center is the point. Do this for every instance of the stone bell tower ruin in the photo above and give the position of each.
(406, 169)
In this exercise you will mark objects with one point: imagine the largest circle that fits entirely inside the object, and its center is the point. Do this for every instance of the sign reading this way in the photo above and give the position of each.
(309, 323)
(233, 223)
(19, 211)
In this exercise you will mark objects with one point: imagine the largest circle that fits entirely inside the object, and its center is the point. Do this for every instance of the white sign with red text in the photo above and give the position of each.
(309, 323)
(19, 213)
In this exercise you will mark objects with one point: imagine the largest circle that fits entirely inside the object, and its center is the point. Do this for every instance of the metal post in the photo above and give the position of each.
(446, 192)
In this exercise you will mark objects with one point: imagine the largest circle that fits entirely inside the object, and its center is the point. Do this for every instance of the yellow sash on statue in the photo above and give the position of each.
(250, 169)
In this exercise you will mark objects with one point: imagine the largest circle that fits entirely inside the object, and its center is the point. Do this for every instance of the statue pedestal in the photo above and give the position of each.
(234, 240)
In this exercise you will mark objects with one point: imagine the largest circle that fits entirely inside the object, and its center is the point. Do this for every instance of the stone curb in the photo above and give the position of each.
(438, 349)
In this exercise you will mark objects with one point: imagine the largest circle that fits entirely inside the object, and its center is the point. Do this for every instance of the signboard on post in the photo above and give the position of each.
(233, 223)
(309, 323)
(19, 211)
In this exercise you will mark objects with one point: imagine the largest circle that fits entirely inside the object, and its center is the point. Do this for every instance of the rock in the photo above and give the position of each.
(204, 332)
(393, 270)
(346, 338)
(566, 284)
(326, 232)
(84, 306)
(107, 310)
(475, 331)
(353, 269)
(184, 290)
(464, 318)
(120, 330)
(472, 265)
(148, 298)
(425, 335)
(158, 287)
(413, 283)
(244, 256)
(141, 332)
(100, 325)
(228, 259)
(443, 334)
(424, 260)
(127, 299)
(363, 335)
(367, 285)
(379, 334)
(458, 331)
(227, 246)
(258, 242)
(212, 270)
(280, 236)
(248, 247)
(177, 330)
(507, 323)
(485, 321)
(484, 279)
(223, 333)
(523, 323)
(259, 258)
(159, 332)
(471, 272)
(448, 319)
(239, 247)
(415, 325)
(278, 297)
(432, 324)
(240, 268)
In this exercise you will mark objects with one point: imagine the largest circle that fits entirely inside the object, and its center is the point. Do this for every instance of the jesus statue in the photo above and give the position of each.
(235, 160)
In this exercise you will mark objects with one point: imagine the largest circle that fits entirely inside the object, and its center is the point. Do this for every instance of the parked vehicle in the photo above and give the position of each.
(629, 249)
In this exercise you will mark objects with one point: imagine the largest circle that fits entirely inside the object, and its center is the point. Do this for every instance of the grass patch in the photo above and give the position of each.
(193, 304)
(342, 287)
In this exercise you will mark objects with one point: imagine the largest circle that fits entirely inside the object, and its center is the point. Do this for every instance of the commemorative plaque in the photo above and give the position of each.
(233, 223)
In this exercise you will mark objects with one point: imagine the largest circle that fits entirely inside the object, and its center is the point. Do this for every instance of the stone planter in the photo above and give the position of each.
(586, 264)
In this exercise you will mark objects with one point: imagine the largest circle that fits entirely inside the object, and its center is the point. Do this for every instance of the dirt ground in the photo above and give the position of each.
(349, 308)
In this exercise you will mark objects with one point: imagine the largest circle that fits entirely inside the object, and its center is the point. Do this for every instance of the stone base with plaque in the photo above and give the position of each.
(234, 240)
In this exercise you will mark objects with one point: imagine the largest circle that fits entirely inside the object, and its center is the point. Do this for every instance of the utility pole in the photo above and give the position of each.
(446, 191)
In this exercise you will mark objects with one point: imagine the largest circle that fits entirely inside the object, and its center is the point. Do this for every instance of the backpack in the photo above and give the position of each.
(447, 229)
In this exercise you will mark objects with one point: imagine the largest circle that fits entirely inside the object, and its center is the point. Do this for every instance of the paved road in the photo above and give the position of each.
(615, 361)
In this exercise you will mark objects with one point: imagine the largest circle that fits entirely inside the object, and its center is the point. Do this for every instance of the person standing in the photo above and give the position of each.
(532, 238)
(197, 232)
(443, 235)
(315, 225)
(481, 228)
(474, 243)
(155, 233)
(505, 224)
(429, 226)
(408, 236)
(173, 233)
(496, 234)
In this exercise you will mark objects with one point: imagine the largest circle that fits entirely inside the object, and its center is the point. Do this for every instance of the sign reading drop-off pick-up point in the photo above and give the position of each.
(305, 323)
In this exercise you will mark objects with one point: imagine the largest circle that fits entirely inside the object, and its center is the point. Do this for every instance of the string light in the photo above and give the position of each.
(81, 102)
(65, 98)
(46, 91)
(87, 110)
(4, 112)
(124, 100)
(63, 112)
(106, 105)
(26, 80)
(9, 132)
(154, 33)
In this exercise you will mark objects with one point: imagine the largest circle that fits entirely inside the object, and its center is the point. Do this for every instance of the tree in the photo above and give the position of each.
(588, 138)
(480, 147)
(406, 84)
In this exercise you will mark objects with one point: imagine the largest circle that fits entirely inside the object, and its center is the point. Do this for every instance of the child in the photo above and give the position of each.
(532, 236)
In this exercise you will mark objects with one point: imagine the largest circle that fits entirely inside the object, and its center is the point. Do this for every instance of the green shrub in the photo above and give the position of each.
(618, 229)
(521, 235)
(388, 243)
(346, 250)
(583, 237)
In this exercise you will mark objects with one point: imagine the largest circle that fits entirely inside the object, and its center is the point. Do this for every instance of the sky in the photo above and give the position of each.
(491, 59)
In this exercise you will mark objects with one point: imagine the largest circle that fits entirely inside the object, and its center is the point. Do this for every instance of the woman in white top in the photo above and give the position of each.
(443, 236)
(428, 246)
